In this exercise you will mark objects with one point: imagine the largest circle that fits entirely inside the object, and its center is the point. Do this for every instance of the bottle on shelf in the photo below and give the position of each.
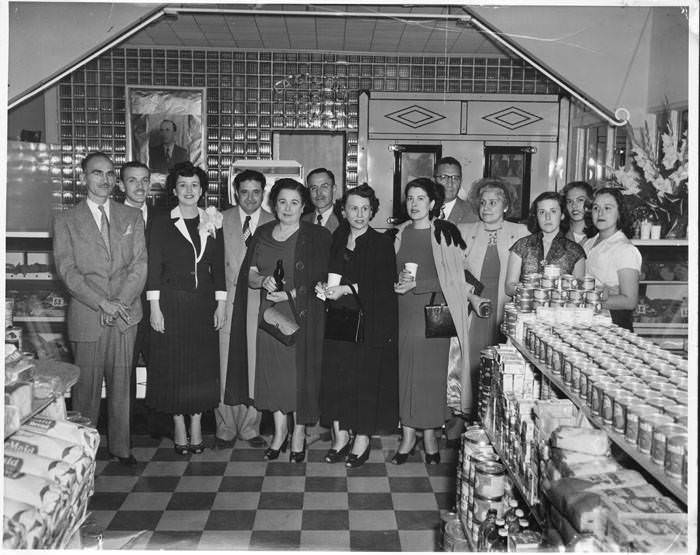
(278, 274)
(486, 529)
(510, 511)
(493, 537)
(501, 544)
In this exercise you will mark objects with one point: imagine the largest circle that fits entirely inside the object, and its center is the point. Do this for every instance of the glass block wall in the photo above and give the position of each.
(245, 104)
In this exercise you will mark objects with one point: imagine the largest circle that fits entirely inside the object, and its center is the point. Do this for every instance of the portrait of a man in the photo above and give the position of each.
(163, 156)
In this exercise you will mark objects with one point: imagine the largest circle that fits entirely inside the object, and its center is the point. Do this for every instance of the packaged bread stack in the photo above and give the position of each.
(18, 387)
(49, 476)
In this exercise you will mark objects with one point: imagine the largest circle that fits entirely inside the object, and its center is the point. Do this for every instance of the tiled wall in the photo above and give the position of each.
(243, 105)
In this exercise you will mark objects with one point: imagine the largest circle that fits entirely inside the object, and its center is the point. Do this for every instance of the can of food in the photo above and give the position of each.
(557, 303)
(565, 281)
(541, 294)
(552, 270)
(525, 305)
(586, 373)
(596, 391)
(527, 293)
(684, 476)
(634, 414)
(682, 383)
(607, 408)
(554, 356)
(676, 411)
(657, 401)
(620, 403)
(588, 283)
(667, 390)
(533, 277)
(647, 425)
(555, 295)
(593, 296)
(483, 504)
(479, 457)
(537, 304)
(575, 295)
(489, 479)
(657, 383)
(658, 440)
(547, 282)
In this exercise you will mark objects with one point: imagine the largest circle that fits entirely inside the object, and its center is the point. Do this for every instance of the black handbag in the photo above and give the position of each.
(346, 324)
(438, 320)
(281, 321)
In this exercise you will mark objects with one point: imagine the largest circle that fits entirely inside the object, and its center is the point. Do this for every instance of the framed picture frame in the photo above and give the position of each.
(165, 126)
(512, 165)
(411, 162)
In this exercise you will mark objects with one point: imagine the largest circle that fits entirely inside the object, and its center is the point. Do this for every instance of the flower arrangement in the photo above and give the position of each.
(211, 220)
(656, 184)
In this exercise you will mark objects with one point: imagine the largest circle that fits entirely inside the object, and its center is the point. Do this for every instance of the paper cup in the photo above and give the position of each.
(333, 279)
(656, 232)
(411, 268)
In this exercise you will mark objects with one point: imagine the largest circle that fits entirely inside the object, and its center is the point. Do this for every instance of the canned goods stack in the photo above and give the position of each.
(551, 289)
(9, 307)
(486, 375)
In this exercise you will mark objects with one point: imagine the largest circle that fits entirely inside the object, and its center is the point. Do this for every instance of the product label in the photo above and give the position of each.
(13, 465)
(21, 446)
(41, 423)
(632, 427)
(619, 410)
(644, 437)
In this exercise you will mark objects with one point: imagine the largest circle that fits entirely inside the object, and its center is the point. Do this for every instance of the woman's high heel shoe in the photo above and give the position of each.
(182, 449)
(358, 460)
(333, 456)
(272, 454)
(400, 458)
(196, 449)
(298, 456)
(432, 458)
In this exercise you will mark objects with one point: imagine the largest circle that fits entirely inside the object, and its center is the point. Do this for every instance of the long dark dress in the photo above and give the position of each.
(422, 362)
(484, 331)
(359, 385)
(183, 366)
(276, 370)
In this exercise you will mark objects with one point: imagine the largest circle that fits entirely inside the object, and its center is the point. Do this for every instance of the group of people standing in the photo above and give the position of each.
(209, 278)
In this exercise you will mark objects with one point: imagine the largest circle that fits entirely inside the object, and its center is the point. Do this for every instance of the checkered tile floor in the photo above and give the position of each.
(233, 499)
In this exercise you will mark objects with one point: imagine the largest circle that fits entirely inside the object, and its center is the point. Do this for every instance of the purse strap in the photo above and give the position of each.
(293, 307)
(357, 297)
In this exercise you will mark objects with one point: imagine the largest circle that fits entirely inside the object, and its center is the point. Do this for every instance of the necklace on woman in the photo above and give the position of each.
(493, 236)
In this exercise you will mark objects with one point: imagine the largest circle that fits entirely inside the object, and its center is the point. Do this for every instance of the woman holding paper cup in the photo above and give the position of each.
(430, 265)
(488, 241)
(287, 377)
(612, 258)
(359, 386)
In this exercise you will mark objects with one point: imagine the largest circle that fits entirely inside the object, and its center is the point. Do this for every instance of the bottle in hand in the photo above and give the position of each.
(278, 274)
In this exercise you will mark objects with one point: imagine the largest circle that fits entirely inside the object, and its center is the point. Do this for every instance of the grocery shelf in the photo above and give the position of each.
(660, 242)
(534, 508)
(655, 470)
(28, 234)
(662, 282)
(38, 318)
(667, 325)
(37, 276)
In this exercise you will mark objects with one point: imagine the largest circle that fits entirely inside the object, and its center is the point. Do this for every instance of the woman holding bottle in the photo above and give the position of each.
(359, 392)
(287, 377)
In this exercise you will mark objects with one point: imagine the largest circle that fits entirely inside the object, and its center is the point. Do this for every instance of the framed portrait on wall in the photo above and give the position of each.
(166, 126)
(512, 165)
(411, 162)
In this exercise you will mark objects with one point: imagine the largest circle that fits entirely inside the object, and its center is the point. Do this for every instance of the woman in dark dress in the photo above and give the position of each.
(287, 378)
(186, 289)
(546, 245)
(359, 387)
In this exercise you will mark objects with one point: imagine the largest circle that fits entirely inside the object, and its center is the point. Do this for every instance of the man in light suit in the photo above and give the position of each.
(240, 222)
(323, 191)
(135, 183)
(100, 255)
(448, 173)
(163, 157)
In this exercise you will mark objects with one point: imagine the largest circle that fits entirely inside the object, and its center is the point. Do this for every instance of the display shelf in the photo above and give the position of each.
(681, 326)
(660, 242)
(534, 508)
(39, 319)
(48, 368)
(40, 276)
(28, 234)
(661, 282)
(655, 470)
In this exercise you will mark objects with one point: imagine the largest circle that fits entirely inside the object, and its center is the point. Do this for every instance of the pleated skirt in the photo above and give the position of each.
(183, 366)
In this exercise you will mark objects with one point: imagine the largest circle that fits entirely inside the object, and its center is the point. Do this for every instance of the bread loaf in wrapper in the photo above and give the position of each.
(644, 501)
(85, 436)
(55, 471)
(12, 419)
(667, 535)
(19, 394)
(23, 526)
(582, 440)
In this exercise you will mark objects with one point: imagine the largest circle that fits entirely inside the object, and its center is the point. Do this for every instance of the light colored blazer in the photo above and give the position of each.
(462, 213)
(477, 239)
(90, 275)
(235, 250)
(331, 224)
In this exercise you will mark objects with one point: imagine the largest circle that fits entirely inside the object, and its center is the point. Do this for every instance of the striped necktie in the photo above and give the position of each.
(104, 229)
(319, 219)
(246, 231)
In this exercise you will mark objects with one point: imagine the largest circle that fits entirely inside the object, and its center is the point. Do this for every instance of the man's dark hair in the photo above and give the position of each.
(132, 164)
(170, 122)
(448, 161)
(95, 154)
(320, 170)
(248, 175)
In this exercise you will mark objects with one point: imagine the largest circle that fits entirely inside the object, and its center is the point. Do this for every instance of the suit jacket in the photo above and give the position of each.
(90, 274)
(462, 213)
(157, 161)
(331, 224)
(477, 239)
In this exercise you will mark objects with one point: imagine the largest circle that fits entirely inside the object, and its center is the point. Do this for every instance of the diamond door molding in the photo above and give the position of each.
(512, 118)
(519, 118)
(415, 116)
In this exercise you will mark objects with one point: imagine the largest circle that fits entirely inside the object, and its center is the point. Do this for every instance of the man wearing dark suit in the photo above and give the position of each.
(448, 173)
(240, 222)
(163, 157)
(323, 191)
(135, 183)
(100, 255)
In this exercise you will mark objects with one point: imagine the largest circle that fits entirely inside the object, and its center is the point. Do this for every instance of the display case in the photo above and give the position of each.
(662, 310)
(35, 296)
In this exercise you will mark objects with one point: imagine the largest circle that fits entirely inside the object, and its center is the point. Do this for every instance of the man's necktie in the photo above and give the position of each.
(246, 231)
(167, 154)
(319, 219)
(104, 229)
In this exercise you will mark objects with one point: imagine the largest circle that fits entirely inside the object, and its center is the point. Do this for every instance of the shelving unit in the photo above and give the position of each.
(644, 461)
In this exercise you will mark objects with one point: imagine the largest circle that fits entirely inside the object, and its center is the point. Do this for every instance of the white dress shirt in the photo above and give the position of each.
(610, 255)
(448, 206)
(324, 216)
(95, 210)
(254, 219)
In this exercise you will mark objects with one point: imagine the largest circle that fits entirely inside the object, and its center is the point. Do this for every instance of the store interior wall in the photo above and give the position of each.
(28, 116)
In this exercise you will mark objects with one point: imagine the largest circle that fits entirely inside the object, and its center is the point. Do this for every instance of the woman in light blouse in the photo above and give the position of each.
(612, 259)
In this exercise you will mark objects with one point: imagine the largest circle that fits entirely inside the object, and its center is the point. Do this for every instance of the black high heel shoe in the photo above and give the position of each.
(196, 449)
(432, 458)
(358, 460)
(272, 454)
(298, 456)
(400, 458)
(182, 449)
(334, 456)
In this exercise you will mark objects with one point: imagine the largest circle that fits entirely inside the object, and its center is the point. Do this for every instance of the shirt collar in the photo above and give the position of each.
(254, 218)
(95, 209)
(142, 208)
(324, 215)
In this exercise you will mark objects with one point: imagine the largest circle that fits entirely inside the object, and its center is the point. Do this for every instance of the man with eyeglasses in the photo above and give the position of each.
(322, 189)
(448, 173)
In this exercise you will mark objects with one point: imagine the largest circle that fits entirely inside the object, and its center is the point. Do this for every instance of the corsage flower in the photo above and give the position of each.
(211, 220)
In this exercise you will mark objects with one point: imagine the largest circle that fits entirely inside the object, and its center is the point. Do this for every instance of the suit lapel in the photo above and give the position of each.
(182, 228)
(88, 226)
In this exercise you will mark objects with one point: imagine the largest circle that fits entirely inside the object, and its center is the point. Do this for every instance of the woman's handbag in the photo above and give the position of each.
(281, 321)
(438, 320)
(346, 324)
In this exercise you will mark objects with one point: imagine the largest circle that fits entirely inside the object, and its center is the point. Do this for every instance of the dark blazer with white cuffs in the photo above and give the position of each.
(174, 264)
